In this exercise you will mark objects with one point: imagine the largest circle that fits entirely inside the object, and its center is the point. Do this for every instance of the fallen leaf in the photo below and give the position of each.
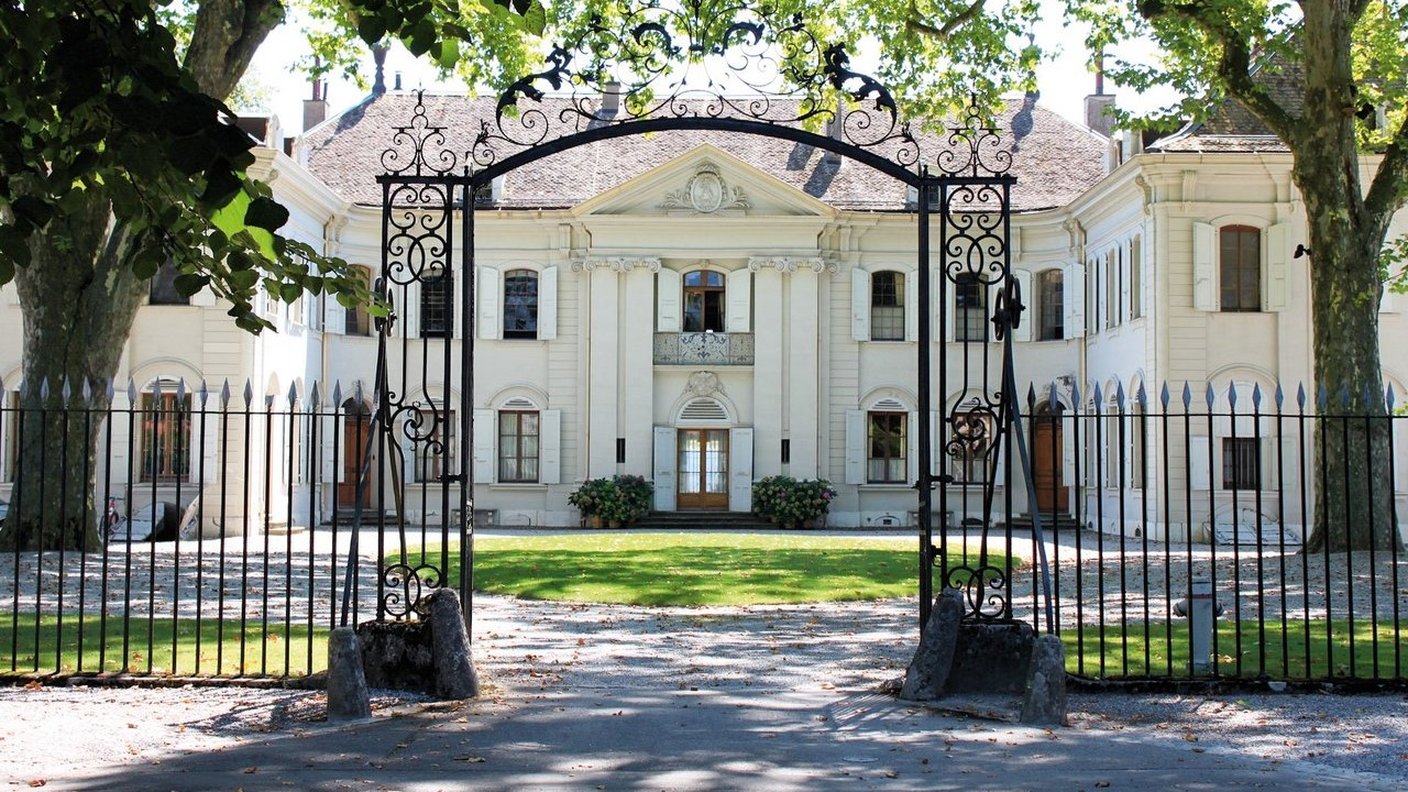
(470, 759)
(251, 770)
(38, 782)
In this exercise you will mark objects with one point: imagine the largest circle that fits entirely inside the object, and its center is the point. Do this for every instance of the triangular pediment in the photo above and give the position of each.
(705, 181)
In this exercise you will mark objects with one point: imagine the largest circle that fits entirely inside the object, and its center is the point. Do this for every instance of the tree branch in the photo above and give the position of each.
(225, 37)
(1388, 190)
(916, 24)
(1234, 67)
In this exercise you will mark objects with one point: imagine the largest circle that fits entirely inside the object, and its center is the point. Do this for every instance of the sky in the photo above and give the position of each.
(1063, 82)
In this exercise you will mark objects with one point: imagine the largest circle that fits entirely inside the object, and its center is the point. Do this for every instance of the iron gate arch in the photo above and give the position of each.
(429, 189)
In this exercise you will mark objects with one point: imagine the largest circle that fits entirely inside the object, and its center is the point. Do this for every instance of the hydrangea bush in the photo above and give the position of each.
(788, 501)
(623, 499)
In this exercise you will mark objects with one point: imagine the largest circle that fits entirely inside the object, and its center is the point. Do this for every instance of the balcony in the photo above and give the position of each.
(704, 349)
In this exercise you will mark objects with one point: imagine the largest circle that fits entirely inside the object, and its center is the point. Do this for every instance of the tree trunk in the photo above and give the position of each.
(78, 302)
(1354, 491)
(79, 298)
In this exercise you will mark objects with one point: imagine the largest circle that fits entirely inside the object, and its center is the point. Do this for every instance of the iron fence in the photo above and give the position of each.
(224, 527)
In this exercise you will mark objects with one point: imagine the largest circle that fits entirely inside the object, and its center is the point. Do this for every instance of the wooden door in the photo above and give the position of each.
(1047, 471)
(703, 469)
(356, 436)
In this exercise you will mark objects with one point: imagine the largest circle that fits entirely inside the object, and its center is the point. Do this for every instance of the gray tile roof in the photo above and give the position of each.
(1232, 127)
(1054, 160)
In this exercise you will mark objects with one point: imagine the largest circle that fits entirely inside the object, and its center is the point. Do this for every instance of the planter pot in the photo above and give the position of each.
(594, 521)
(614, 524)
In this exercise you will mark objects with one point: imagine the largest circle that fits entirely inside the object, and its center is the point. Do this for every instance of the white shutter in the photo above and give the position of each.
(912, 451)
(1123, 279)
(210, 441)
(550, 447)
(483, 467)
(860, 304)
(1267, 463)
(944, 296)
(409, 326)
(668, 317)
(1400, 468)
(1068, 452)
(911, 305)
(488, 297)
(547, 304)
(1277, 238)
(936, 456)
(1073, 297)
(1290, 463)
(1030, 300)
(855, 446)
(335, 317)
(664, 468)
(740, 465)
(1205, 296)
(740, 301)
(1199, 475)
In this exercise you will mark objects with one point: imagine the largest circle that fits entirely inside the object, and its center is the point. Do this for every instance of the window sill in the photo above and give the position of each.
(516, 486)
(878, 486)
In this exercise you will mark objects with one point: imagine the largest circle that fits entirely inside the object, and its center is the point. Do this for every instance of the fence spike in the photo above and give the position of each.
(1141, 396)
(131, 392)
(44, 389)
(203, 393)
(1344, 395)
(111, 390)
(358, 392)
(1280, 396)
(1075, 394)
(1388, 397)
(1322, 396)
(1031, 396)
(1099, 397)
(293, 395)
(248, 392)
(1051, 402)
(1187, 395)
(66, 391)
(181, 389)
(1256, 395)
(86, 392)
(1210, 396)
(268, 401)
(1163, 395)
(156, 389)
(1368, 395)
(1300, 395)
(313, 395)
(1231, 396)
(336, 394)
(225, 395)
(1119, 395)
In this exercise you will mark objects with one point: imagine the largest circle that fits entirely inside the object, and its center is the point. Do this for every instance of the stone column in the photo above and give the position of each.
(769, 361)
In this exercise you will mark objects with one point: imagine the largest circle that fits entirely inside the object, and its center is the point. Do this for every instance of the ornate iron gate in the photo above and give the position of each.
(693, 70)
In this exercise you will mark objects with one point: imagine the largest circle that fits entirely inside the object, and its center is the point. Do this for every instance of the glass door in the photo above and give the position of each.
(703, 469)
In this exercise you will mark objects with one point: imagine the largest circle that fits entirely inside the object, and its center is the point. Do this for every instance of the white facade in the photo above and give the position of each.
(805, 351)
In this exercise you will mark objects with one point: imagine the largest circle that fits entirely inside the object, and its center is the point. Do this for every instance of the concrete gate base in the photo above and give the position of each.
(429, 656)
(991, 669)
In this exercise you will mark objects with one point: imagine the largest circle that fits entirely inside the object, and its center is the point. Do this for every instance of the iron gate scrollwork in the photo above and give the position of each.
(696, 65)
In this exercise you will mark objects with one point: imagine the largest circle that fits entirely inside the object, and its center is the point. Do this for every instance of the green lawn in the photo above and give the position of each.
(165, 654)
(1125, 657)
(693, 568)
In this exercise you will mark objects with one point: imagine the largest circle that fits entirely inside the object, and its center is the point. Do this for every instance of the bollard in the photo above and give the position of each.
(1201, 614)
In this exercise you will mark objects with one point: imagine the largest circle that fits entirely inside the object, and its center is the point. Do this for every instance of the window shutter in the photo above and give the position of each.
(855, 447)
(210, 442)
(668, 317)
(489, 297)
(936, 454)
(1277, 238)
(484, 431)
(1030, 299)
(335, 318)
(1068, 452)
(1199, 475)
(912, 445)
(740, 463)
(409, 326)
(740, 301)
(860, 304)
(945, 296)
(547, 304)
(1266, 463)
(1073, 295)
(911, 305)
(1204, 268)
(664, 468)
(550, 446)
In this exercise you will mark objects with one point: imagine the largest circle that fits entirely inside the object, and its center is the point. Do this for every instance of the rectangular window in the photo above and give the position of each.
(518, 446)
(358, 322)
(435, 453)
(163, 287)
(888, 454)
(166, 437)
(1241, 464)
(1240, 262)
(1137, 473)
(1112, 292)
(1052, 306)
(1136, 280)
(437, 315)
(521, 304)
(970, 303)
(970, 445)
(887, 306)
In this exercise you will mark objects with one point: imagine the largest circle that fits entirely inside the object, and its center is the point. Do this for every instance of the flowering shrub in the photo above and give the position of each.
(622, 499)
(785, 500)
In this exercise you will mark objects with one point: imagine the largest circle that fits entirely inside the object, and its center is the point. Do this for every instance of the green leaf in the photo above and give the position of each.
(189, 283)
(35, 210)
(266, 213)
(245, 279)
(535, 19)
(370, 28)
(420, 37)
(222, 188)
(290, 292)
(7, 270)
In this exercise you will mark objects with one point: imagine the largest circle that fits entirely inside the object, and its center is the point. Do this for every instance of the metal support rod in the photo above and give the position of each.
(924, 483)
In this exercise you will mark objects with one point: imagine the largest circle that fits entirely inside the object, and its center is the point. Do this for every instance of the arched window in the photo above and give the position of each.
(1052, 305)
(887, 443)
(970, 300)
(703, 301)
(887, 306)
(1240, 263)
(518, 429)
(437, 303)
(166, 434)
(521, 304)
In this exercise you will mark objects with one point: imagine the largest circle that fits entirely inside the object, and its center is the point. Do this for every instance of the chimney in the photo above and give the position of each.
(1096, 103)
(315, 109)
(610, 98)
(835, 129)
(379, 82)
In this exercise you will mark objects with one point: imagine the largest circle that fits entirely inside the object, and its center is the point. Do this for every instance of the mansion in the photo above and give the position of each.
(704, 310)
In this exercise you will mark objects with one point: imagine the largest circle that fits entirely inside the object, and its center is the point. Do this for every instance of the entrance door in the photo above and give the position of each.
(1047, 473)
(703, 469)
(356, 435)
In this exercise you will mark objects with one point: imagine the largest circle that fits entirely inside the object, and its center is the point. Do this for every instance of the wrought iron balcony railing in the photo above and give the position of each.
(704, 349)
